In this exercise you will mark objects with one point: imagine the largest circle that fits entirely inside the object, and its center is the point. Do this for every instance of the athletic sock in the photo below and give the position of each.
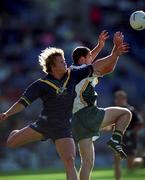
(117, 136)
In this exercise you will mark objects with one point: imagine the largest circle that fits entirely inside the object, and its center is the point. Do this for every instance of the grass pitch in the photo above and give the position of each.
(103, 174)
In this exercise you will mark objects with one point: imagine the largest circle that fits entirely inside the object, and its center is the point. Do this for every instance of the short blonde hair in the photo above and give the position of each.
(48, 56)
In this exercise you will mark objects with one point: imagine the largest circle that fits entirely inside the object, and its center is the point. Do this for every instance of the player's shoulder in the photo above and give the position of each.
(35, 82)
(46, 78)
(40, 82)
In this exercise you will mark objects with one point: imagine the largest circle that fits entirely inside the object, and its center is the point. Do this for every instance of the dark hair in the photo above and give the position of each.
(121, 93)
(78, 52)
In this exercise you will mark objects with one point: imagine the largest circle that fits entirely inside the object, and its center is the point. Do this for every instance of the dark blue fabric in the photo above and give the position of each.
(57, 108)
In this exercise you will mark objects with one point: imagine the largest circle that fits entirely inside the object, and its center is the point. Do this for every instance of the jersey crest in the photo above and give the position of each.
(59, 90)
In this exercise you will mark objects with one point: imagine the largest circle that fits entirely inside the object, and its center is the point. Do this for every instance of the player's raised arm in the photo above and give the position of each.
(101, 43)
(17, 107)
(107, 64)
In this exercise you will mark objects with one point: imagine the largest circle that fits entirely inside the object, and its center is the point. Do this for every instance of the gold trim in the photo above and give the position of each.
(50, 83)
(58, 89)
(82, 90)
(26, 100)
(68, 77)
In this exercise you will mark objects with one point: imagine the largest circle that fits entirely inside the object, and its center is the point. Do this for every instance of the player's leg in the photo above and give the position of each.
(118, 116)
(117, 168)
(86, 149)
(130, 162)
(130, 139)
(23, 136)
(67, 151)
(121, 118)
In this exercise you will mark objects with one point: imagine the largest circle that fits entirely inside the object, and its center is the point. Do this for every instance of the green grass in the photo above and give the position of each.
(106, 174)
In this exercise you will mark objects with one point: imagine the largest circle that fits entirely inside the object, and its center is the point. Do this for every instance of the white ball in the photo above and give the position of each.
(137, 20)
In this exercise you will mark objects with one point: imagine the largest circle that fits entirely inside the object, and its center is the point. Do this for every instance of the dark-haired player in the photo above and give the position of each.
(131, 135)
(88, 118)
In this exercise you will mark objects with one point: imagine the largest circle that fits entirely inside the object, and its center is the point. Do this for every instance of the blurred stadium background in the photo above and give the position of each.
(27, 27)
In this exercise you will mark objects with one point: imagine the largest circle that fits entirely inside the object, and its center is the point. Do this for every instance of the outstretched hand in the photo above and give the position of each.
(102, 38)
(122, 49)
(118, 38)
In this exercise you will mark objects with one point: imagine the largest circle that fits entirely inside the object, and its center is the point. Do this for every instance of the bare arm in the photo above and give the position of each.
(17, 107)
(30, 94)
(107, 64)
(101, 43)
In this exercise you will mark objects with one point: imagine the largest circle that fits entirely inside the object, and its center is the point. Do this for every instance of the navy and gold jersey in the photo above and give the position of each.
(57, 95)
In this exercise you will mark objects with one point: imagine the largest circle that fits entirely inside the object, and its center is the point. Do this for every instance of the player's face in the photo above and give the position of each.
(88, 58)
(60, 65)
(120, 101)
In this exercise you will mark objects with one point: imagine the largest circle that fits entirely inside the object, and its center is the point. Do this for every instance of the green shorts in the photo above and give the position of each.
(86, 122)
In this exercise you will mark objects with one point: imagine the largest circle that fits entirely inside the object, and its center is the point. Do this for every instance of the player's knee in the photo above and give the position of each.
(13, 132)
(69, 161)
(11, 141)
